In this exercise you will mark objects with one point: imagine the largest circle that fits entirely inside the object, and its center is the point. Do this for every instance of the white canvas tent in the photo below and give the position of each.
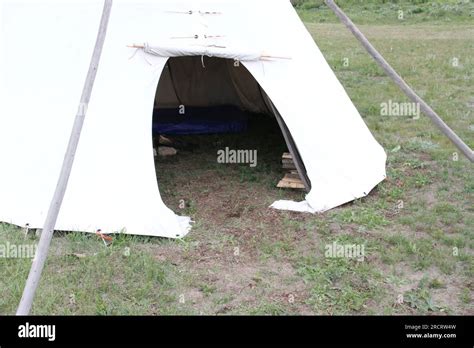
(45, 49)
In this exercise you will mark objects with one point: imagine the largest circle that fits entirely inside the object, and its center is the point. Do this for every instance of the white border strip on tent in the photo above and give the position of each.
(204, 50)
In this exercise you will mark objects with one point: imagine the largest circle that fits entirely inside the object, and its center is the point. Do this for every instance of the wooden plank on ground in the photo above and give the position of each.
(290, 181)
(289, 166)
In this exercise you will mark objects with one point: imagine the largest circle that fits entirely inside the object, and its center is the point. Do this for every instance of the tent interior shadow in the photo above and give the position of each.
(220, 122)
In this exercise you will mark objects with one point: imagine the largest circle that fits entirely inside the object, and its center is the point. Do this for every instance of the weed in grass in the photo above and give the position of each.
(207, 289)
(367, 217)
(339, 285)
(419, 299)
(466, 296)
(267, 309)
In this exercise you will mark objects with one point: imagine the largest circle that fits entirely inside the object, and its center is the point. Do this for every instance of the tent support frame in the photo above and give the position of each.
(427, 110)
(34, 276)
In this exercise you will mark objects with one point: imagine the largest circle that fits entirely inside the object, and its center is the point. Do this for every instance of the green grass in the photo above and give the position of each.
(340, 286)
(388, 11)
(243, 258)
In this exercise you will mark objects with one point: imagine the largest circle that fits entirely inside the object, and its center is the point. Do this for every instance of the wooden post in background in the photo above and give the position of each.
(427, 110)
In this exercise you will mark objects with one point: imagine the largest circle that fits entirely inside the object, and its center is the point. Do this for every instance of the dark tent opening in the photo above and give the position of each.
(208, 109)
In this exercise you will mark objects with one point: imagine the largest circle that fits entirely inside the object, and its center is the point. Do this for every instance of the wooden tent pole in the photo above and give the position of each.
(42, 251)
(427, 110)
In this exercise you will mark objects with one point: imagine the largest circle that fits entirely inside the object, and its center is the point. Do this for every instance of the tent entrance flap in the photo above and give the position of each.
(295, 154)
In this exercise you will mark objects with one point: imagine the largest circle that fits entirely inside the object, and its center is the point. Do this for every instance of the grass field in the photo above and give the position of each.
(417, 227)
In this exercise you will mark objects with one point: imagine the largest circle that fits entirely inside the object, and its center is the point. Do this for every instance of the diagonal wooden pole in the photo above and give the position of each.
(42, 251)
(427, 110)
